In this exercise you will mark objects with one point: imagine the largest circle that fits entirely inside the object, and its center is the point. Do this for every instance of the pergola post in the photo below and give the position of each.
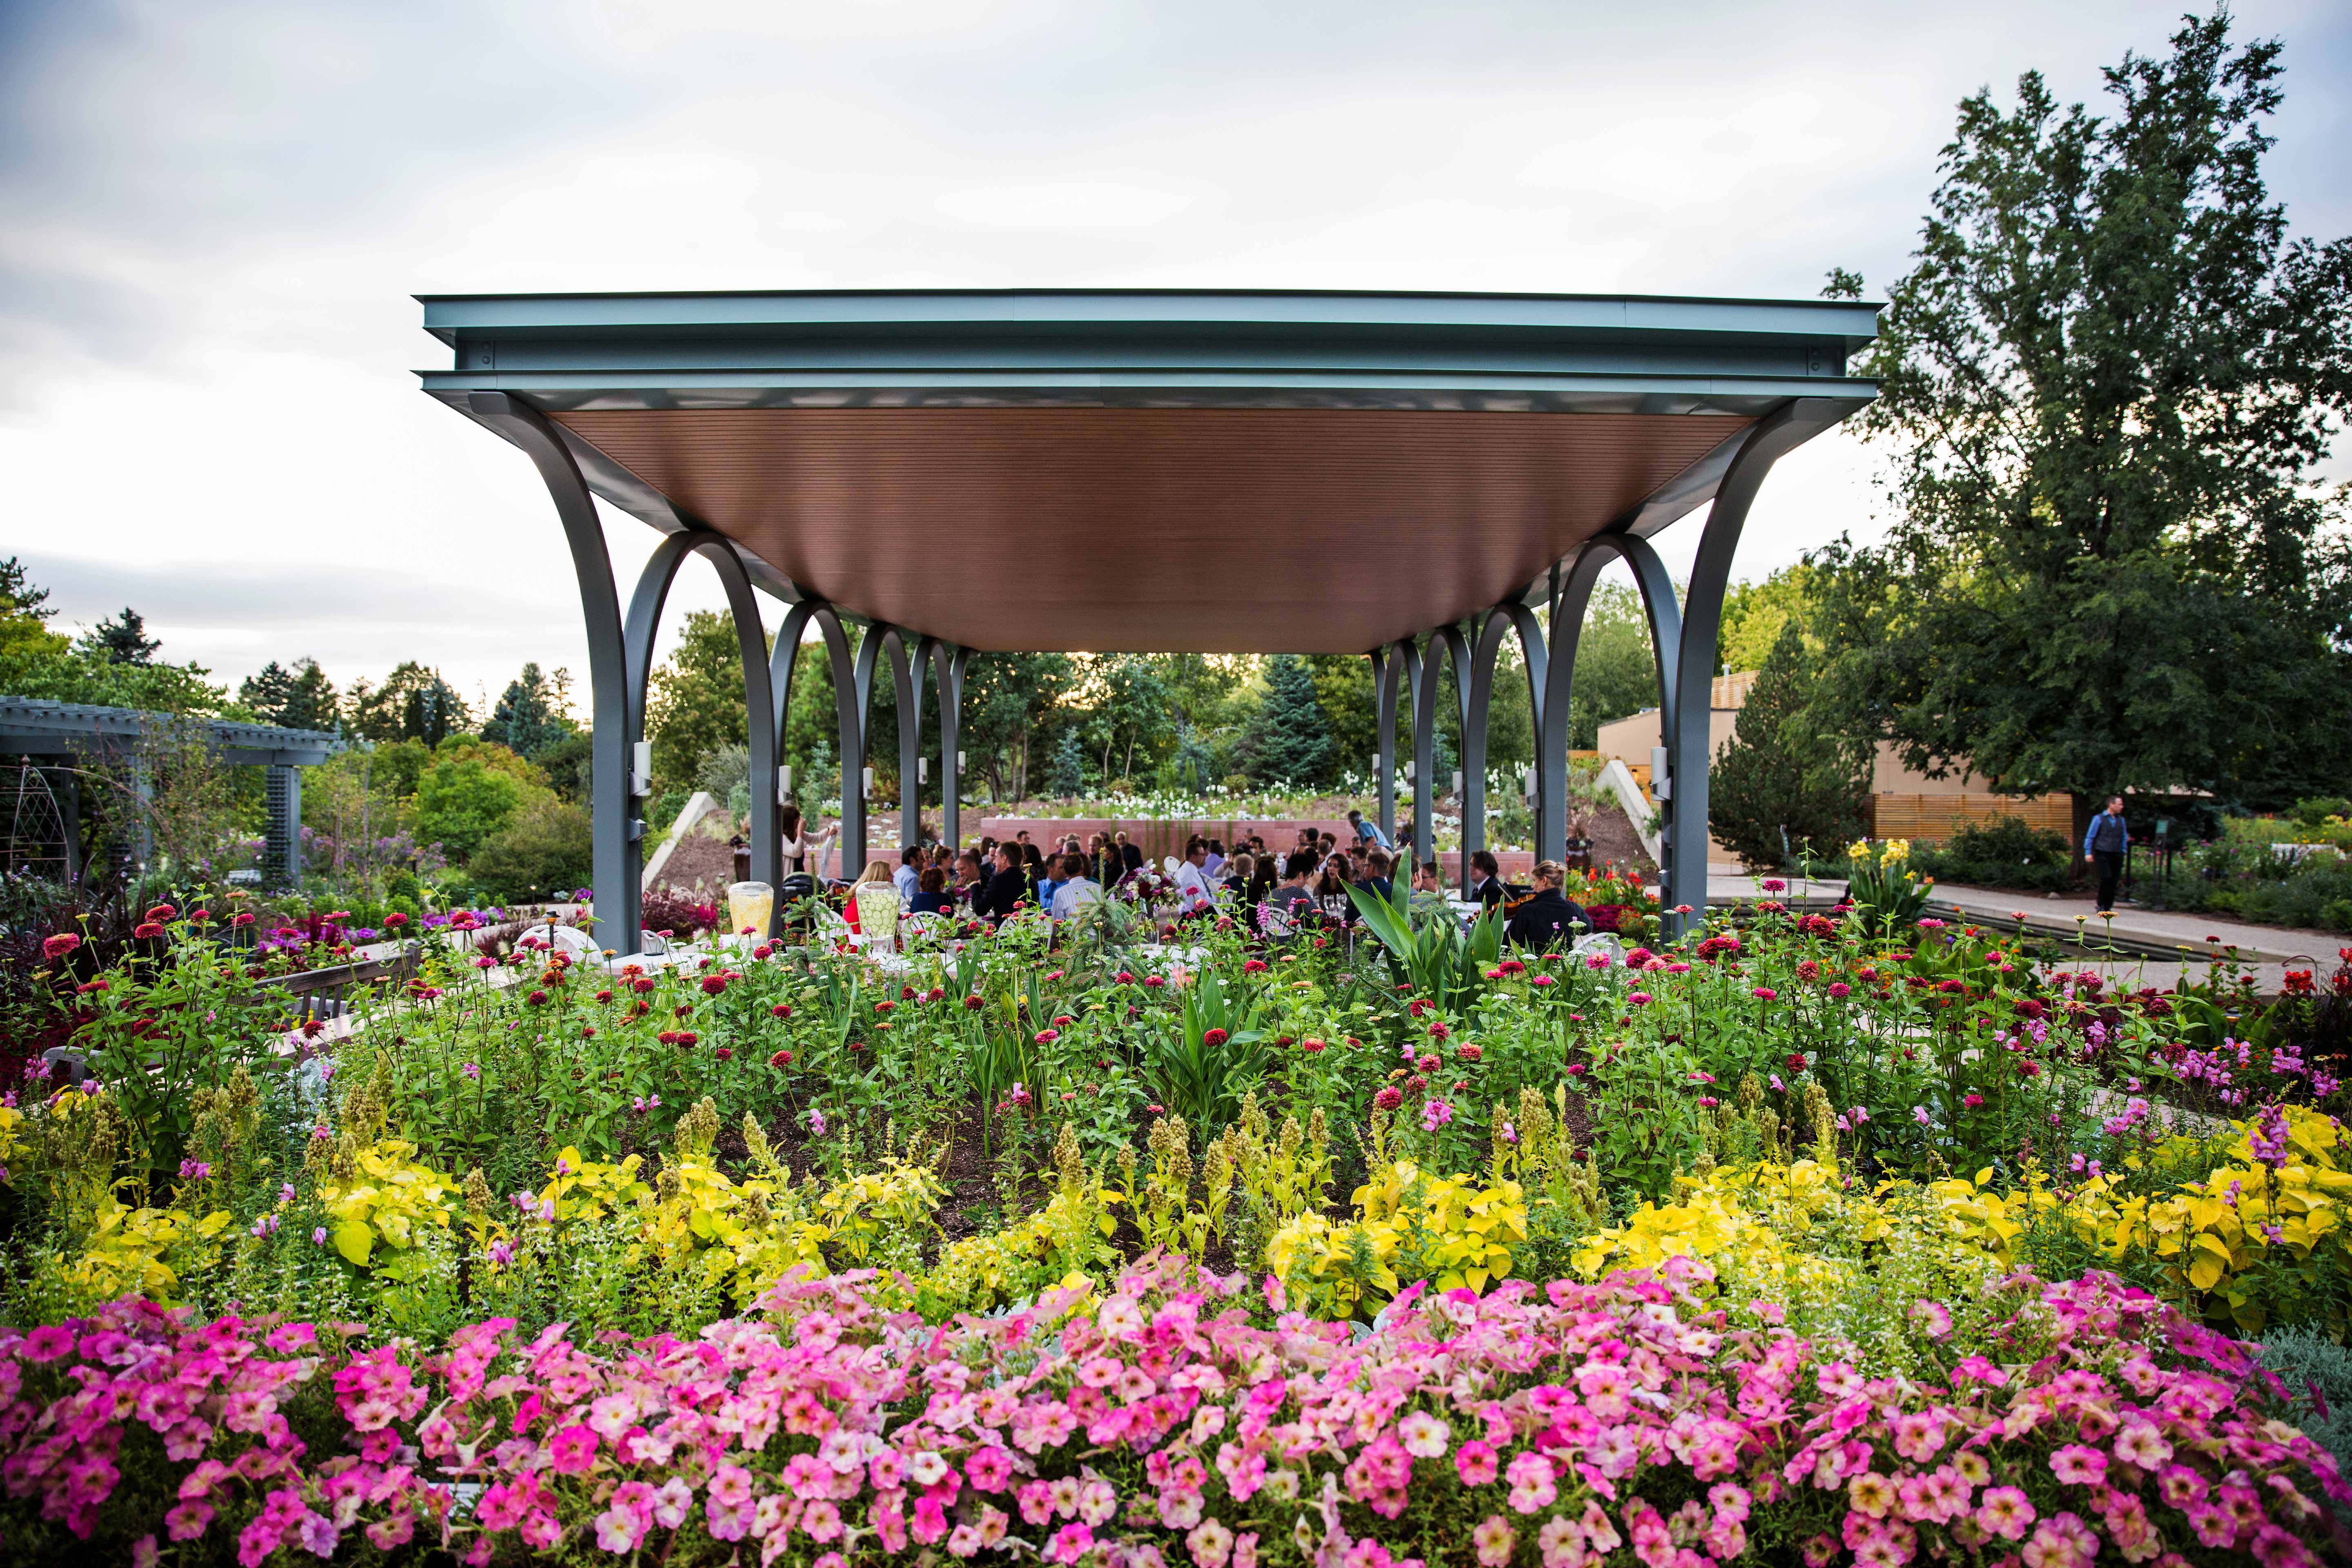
(1687, 738)
(283, 790)
(611, 793)
(949, 663)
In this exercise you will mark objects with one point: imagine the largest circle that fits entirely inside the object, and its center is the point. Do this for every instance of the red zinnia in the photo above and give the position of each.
(780, 1059)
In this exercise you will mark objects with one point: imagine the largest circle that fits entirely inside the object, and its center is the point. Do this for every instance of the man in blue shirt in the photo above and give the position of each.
(2104, 842)
(1368, 832)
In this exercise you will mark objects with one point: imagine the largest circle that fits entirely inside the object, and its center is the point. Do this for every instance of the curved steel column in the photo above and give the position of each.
(907, 668)
(751, 645)
(948, 664)
(1388, 668)
(1494, 626)
(1688, 740)
(1444, 643)
(1567, 627)
(611, 816)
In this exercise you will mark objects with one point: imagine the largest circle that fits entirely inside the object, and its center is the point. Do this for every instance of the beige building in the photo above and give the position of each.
(1905, 802)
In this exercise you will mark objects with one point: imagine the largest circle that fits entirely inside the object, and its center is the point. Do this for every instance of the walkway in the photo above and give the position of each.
(2267, 950)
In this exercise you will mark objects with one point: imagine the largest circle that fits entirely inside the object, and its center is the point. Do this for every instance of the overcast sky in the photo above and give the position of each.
(212, 217)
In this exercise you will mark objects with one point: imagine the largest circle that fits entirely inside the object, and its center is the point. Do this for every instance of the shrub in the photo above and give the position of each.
(544, 853)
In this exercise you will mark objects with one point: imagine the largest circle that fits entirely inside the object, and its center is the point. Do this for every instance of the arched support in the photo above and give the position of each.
(1688, 740)
(1445, 644)
(948, 664)
(1566, 627)
(751, 647)
(1388, 670)
(1495, 626)
(908, 679)
(613, 805)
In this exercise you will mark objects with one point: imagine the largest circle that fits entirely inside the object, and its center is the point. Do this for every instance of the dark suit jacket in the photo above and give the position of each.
(1547, 918)
(1004, 891)
(1488, 891)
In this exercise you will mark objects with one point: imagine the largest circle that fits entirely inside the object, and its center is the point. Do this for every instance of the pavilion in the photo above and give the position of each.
(1410, 476)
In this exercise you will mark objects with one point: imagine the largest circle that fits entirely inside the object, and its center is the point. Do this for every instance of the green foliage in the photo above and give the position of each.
(37, 662)
(412, 704)
(1069, 772)
(301, 698)
(460, 803)
(1616, 672)
(530, 716)
(695, 704)
(2317, 1373)
(1289, 741)
(1785, 783)
(1755, 613)
(119, 640)
(545, 851)
(2003, 853)
(2108, 383)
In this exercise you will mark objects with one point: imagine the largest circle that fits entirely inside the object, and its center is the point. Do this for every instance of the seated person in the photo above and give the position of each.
(932, 896)
(1239, 872)
(1294, 894)
(1075, 889)
(1007, 890)
(1545, 919)
(1428, 898)
(1375, 879)
(1487, 880)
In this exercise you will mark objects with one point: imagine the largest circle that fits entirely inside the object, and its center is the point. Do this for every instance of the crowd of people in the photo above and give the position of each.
(1306, 882)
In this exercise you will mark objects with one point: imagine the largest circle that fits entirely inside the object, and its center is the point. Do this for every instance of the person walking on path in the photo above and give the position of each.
(2104, 842)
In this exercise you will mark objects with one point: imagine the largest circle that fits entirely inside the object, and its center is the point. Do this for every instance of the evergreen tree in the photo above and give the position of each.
(1067, 779)
(18, 597)
(529, 717)
(1289, 743)
(1781, 772)
(412, 704)
(121, 639)
(297, 699)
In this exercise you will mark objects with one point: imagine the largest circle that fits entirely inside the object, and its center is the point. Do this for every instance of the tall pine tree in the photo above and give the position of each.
(1290, 744)
(1783, 784)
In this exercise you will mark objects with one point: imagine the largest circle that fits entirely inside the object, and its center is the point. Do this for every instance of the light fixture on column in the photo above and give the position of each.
(641, 770)
(1661, 786)
(865, 779)
(1457, 784)
(922, 770)
(784, 785)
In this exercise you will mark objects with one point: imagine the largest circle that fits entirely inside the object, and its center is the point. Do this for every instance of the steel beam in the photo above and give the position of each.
(907, 670)
(613, 816)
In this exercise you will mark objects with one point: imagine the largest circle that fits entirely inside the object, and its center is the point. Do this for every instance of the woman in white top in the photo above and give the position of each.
(795, 847)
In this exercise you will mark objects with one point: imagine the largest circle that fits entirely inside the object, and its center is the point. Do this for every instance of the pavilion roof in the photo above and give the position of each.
(1154, 471)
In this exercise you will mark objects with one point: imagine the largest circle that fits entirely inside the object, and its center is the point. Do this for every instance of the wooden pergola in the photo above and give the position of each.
(1211, 472)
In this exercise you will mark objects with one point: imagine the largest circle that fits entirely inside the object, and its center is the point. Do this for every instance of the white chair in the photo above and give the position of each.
(1168, 863)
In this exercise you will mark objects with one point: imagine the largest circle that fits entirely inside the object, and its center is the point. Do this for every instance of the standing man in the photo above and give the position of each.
(1367, 833)
(2104, 842)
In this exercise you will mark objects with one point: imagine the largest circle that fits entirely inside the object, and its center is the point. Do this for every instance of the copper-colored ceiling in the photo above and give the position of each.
(1155, 529)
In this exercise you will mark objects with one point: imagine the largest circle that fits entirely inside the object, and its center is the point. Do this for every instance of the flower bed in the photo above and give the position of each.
(1642, 1415)
(1815, 1139)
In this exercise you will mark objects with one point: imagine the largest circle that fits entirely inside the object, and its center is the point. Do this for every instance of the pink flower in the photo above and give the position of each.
(47, 1343)
(2004, 1511)
(2079, 1465)
(1534, 1483)
(1072, 1542)
(1475, 1462)
(573, 1450)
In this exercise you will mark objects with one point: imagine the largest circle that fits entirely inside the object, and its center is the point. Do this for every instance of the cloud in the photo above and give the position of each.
(216, 215)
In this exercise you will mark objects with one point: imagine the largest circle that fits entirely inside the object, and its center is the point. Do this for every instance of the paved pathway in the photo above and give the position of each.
(2267, 950)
